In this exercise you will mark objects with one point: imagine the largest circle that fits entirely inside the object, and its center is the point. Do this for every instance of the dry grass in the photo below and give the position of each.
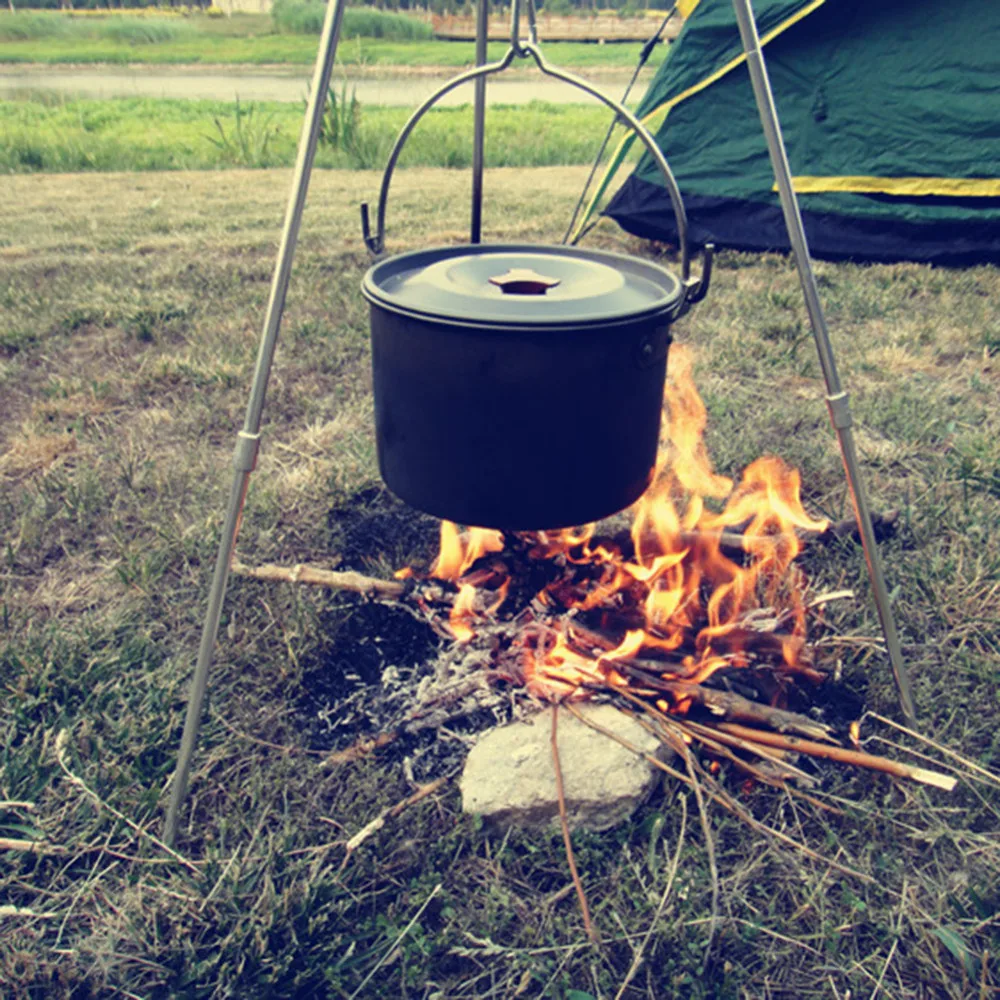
(130, 312)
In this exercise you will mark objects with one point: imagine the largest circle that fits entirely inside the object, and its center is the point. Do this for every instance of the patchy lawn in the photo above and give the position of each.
(131, 306)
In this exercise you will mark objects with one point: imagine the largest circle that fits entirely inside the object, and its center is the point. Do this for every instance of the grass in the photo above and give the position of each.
(40, 134)
(120, 29)
(130, 314)
(305, 17)
(253, 39)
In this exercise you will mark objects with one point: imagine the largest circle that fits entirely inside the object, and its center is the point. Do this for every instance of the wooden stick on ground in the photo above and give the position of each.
(564, 822)
(361, 748)
(839, 754)
(30, 846)
(378, 822)
(368, 586)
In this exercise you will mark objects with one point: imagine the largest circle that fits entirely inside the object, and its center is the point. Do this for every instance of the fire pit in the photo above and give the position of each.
(697, 617)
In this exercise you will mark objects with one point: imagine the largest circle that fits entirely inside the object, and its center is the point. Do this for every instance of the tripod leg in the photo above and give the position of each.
(479, 123)
(248, 441)
(836, 397)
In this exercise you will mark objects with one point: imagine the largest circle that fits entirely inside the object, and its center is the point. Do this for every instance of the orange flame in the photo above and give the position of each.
(695, 602)
(459, 551)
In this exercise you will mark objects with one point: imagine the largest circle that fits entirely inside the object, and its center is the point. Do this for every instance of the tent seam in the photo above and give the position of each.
(946, 187)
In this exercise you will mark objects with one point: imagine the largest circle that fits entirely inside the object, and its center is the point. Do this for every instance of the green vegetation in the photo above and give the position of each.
(130, 307)
(305, 17)
(254, 40)
(119, 30)
(39, 134)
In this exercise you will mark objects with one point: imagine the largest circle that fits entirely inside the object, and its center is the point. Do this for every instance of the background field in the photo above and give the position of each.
(254, 39)
(44, 132)
(129, 312)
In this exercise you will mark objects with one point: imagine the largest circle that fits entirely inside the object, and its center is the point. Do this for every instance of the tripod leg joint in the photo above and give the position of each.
(245, 453)
(839, 406)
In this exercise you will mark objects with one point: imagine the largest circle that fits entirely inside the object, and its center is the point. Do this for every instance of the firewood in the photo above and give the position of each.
(736, 545)
(733, 706)
(368, 586)
(842, 756)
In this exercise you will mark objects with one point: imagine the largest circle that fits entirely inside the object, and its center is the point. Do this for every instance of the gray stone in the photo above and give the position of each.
(509, 778)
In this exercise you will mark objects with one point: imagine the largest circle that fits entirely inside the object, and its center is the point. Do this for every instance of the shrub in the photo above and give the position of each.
(305, 17)
(24, 26)
(142, 31)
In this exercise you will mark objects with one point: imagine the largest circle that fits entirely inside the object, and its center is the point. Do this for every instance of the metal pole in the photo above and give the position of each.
(836, 398)
(248, 439)
(479, 123)
(647, 51)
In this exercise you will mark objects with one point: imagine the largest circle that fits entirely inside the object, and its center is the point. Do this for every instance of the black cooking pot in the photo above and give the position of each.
(519, 387)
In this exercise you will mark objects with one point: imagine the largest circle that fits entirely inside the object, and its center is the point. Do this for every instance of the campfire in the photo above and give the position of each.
(696, 617)
(704, 582)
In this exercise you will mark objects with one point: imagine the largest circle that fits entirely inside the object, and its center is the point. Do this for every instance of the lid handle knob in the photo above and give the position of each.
(523, 281)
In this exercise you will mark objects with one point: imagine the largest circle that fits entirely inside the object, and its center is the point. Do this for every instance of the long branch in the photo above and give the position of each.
(369, 586)
(856, 758)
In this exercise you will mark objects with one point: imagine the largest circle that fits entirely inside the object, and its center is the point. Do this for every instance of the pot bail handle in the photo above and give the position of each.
(523, 281)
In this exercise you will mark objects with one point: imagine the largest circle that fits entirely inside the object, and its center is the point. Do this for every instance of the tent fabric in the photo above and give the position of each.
(891, 118)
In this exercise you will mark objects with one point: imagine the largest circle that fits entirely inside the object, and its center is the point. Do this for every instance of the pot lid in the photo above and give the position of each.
(521, 285)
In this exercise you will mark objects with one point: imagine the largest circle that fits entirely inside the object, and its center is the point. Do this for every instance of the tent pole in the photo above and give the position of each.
(837, 397)
(248, 439)
(647, 51)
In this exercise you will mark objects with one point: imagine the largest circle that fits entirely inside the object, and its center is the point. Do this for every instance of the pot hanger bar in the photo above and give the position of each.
(836, 398)
(695, 288)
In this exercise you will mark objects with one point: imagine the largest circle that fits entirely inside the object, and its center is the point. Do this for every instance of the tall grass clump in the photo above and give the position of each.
(125, 29)
(26, 25)
(142, 31)
(305, 17)
(246, 141)
(341, 130)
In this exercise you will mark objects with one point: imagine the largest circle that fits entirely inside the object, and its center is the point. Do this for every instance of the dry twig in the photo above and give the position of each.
(964, 761)
(842, 756)
(368, 586)
(61, 740)
(637, 956)
(564, 822)
(373, 826)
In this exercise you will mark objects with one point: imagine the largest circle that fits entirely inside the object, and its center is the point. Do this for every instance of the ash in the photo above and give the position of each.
(388, 670)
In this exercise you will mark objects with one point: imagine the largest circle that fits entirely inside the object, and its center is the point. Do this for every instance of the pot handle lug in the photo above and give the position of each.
(700, 288)
(652, 347)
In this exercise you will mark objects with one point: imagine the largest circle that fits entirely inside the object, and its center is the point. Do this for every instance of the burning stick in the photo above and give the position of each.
(735, 544)
(734, 706)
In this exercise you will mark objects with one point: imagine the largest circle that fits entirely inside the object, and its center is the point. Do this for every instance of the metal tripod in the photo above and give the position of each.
(836, 396)
(248, 439)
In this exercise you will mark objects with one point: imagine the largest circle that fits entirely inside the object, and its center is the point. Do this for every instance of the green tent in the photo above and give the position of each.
(890, 111)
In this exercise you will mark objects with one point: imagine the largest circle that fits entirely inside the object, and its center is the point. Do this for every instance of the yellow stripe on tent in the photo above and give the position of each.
(685, 7)
(913, 187)
(654, 119)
